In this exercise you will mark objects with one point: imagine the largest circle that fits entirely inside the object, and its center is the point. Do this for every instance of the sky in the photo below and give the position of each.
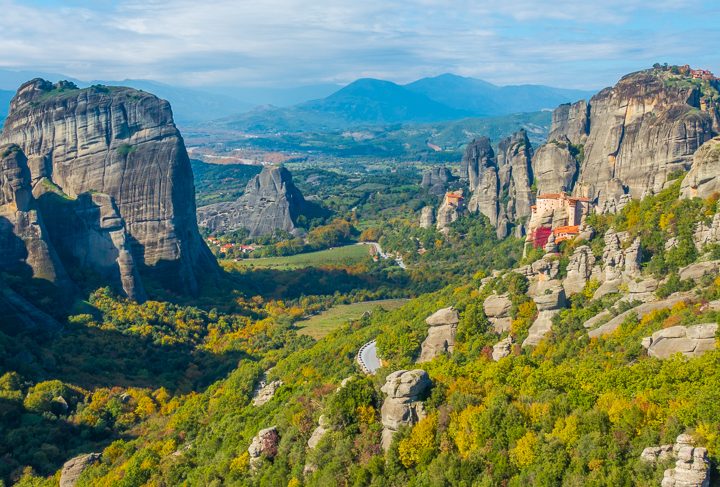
(278, 43)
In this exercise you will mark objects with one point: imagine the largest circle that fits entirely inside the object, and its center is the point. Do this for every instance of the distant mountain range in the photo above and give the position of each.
(365, 102)
(368, 102)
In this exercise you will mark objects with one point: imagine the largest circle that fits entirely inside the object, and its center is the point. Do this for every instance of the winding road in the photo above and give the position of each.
(368, 359)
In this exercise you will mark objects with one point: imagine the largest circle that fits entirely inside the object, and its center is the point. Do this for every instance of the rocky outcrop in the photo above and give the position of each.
(692, 468)
(579, 270)
(502, 349)
(403, 405)
(122, 143)
(500, 183)
(691, 341)
(706, 234)
(639, 311)
(427, 217)
(449, 211)
(703, 179)
(323, 427)
(441, 334)
(436, 180)
(549, 297)
(620, 263)
(73, 468)
(699, 269)
(264, 445)
(265, 391)
(654, 454)
(270, 202)
(497, 309)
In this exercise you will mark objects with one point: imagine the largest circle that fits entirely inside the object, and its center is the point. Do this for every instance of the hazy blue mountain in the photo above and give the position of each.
(377, 101)
(367, 102)
(279, 97)
(364, 102)
(487, 99)
(11, 79)
(5, 97)
(188, 104)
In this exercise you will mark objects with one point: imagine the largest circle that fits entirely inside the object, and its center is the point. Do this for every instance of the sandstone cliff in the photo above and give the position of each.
(501, 183)
(271, 202)
(623, 143)
(120, 148)
(638, 132)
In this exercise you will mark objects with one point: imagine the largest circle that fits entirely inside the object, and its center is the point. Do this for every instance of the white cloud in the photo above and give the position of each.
(287, 42)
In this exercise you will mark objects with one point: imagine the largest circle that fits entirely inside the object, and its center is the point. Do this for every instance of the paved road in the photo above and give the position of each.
(368, 357)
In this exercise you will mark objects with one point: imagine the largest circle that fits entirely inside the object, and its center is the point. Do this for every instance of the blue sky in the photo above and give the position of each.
(276, 43)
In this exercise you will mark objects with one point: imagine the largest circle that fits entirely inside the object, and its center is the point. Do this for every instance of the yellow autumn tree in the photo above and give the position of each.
(420, 445)
(524, 452)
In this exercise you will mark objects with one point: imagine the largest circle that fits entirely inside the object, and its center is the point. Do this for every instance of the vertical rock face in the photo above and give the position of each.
(571, 121)
(270, 202)
(122, 143)
(24, 242)
(641, 130)
(555, 167)
(703, 179)
(436, 180)
(427, 217)
(500, 183)
(403, 405)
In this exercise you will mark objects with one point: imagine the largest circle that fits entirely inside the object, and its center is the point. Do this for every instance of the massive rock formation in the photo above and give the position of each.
(500, 183)
(436, 180)
(441, 334)
(703, 179)
(123, 144)
(622, 144)
(452, 207)
(271, 202)
(405, 390)
(638, 132)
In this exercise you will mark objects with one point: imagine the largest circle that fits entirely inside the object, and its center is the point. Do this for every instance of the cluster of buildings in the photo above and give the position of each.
(705, 74)
(556, 214)
(225, 247)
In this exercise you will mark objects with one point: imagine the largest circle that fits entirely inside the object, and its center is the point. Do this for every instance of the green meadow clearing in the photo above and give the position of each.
(322, 324)
(338, 256)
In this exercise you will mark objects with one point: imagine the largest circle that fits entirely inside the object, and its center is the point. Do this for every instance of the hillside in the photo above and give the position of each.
(582, 352)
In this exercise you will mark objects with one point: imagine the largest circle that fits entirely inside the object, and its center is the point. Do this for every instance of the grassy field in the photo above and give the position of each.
(320, 325)
(347, 255)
